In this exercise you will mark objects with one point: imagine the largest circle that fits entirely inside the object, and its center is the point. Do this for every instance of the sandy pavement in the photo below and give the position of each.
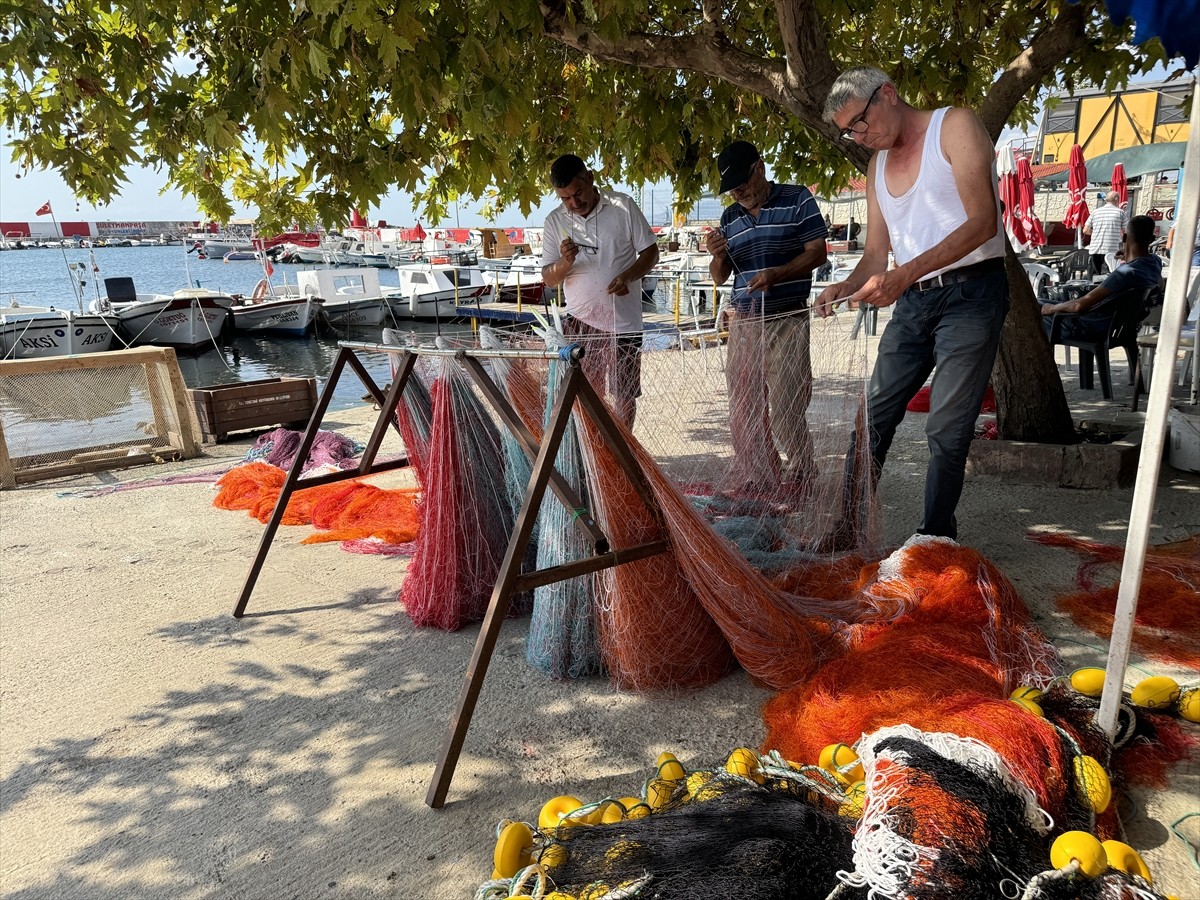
(152, 746)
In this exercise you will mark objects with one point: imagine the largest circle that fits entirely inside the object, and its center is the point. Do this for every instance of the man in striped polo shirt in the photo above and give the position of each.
(771, 239)
(1106, 229)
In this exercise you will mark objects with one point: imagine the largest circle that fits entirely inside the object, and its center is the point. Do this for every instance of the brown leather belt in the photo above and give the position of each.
(961, 274)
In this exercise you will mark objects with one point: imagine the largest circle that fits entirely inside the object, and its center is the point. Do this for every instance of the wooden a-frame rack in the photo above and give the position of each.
(510, 580)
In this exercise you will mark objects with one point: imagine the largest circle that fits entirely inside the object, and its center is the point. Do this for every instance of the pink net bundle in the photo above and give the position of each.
(465, 515)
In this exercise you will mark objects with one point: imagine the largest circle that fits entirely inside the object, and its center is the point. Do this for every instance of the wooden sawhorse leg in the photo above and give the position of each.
(387, 415)
(509, 580)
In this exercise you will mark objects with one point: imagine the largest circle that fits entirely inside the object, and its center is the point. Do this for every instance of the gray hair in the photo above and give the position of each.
(1114, 198)
(853, 84)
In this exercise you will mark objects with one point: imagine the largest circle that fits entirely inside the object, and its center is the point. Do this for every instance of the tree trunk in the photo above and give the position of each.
(1030, 401)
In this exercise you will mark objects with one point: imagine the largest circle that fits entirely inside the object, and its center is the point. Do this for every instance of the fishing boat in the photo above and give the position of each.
(346, 296)
(189, 319)
(516, 283)
(434, 291)
(37, 332)
(265, 312)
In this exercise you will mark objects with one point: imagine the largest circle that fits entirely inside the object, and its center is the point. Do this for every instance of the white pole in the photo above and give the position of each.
(1150, 457)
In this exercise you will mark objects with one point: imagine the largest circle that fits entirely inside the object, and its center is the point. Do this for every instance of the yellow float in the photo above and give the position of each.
(1088, 680)
(856, 798)
(744, 762)
(514, 848)
(553, 855)
(659, 792)
(556, 809)
(1123, 857)
(1026, 693)
(1081, 847)
(1158, 692)
(1029, 706)
(611, 811)
(1091, 783)
(841, 760)
(669, 768)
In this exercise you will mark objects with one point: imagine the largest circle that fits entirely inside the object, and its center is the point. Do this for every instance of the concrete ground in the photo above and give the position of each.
(152, 746)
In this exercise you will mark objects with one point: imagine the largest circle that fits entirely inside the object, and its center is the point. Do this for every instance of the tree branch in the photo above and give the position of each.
(708, 53)
(1045, 53)
(810, 69)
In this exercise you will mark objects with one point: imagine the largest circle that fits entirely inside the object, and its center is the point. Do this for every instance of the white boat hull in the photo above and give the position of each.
(278, 316)
(30, 334)
(180, 322)
(438, 304)
(365, 311)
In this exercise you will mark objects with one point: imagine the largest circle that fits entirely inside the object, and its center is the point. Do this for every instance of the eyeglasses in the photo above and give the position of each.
(586, 248)
(860, 124)
(741, 188)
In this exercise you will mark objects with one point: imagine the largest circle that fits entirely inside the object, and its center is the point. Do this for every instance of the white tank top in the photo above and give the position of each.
(929, 210)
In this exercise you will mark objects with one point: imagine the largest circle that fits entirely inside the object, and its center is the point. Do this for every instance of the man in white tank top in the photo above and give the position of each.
(932, 201)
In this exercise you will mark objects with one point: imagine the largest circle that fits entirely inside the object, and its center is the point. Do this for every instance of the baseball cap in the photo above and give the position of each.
(734, 164)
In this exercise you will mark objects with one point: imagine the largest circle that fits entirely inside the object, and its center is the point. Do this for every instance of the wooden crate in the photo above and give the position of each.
(225, 408)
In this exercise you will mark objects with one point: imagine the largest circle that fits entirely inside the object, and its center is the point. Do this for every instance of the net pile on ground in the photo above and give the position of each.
(465, 514)
(330, 451)
(931, 815)
(1168, 617)
(347, 511)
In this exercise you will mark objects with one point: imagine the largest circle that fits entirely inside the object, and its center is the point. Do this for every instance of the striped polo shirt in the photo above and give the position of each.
(787, 221)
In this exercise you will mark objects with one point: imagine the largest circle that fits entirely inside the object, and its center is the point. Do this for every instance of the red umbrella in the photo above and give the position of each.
(1035, 234)
(1014, 224)
(1120, 185)
(1077, 208)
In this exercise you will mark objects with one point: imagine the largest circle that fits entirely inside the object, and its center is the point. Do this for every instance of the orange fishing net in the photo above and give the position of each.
(347, 510)
(1168, 616)
(670, 641)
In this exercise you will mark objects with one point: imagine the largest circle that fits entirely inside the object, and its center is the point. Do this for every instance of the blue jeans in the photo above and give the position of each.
(955, 330)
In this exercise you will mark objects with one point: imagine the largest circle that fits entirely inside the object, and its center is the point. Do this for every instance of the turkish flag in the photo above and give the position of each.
(44, 209)
(267, 267)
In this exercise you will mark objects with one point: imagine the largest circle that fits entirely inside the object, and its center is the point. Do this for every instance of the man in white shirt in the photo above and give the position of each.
(598, 245)
(1107, 228)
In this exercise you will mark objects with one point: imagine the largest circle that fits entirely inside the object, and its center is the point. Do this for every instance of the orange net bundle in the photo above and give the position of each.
(347, 510)
(1168, 617)
(654, 632)
(963, 637)
(367, 512)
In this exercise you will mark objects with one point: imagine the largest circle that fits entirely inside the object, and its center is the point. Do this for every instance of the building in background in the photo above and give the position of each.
(1100, 123)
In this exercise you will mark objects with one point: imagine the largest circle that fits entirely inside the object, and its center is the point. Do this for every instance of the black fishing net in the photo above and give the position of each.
(746, 841)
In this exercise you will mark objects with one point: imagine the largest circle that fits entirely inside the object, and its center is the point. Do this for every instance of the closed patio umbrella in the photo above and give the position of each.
(1077, 208)
(1121, 186)
(1031, 225)
(1006, 170)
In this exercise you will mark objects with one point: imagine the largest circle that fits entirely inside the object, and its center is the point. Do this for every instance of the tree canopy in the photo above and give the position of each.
(309, 108)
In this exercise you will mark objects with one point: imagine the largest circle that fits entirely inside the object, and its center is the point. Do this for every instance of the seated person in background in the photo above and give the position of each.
(1195, 250)
(1140, 269)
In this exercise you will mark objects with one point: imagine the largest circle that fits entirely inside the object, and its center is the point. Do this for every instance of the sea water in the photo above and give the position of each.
(42, 277)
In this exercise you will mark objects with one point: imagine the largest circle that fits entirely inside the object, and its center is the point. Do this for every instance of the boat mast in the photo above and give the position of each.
(76, 287)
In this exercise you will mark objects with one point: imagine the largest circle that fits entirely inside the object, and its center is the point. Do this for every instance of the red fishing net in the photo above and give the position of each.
(1168, 617)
